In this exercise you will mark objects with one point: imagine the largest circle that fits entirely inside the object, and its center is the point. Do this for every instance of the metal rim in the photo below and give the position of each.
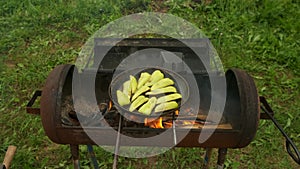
(51, 100)
(249, 102)
(119, 79)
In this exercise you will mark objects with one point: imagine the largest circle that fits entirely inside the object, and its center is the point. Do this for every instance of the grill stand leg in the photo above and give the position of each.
(116, 156)
(174, 130)
(221, 157)
(75, 156)
(92, 156)
(207, 158)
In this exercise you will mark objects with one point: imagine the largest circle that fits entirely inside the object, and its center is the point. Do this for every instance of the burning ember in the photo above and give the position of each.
(158, 123)
(164, 122)
(154, 123)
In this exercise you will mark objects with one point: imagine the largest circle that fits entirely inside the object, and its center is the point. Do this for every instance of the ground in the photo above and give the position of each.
(260, 37)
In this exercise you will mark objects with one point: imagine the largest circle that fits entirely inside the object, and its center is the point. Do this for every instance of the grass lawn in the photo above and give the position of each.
(261, 37)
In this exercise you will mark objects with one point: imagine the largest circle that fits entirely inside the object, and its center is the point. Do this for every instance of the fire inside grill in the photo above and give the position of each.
(111, 115)
(67, 119)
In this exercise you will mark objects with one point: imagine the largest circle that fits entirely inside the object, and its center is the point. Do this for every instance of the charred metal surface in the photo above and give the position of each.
(76, 135)
(126, 47)
(241, 110)
(221, 157)
(264, 102)
(242, 95)
(75, 156)
(51, 101)
(29, 108)
(243, 98)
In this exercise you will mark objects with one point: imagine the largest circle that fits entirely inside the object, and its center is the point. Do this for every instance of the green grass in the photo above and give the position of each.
(261, 37)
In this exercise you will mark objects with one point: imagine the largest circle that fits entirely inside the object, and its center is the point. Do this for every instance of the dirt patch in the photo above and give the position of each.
(159, 6)
(152, 161)
(10, 64)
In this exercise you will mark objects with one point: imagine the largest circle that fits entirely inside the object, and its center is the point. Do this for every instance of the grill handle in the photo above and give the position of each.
(29, 108)
(290, 145)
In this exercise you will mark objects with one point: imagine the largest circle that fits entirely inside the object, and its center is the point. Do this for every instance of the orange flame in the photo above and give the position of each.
(187, 122)
(110, 105)
(154, 123)
(168, 124)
